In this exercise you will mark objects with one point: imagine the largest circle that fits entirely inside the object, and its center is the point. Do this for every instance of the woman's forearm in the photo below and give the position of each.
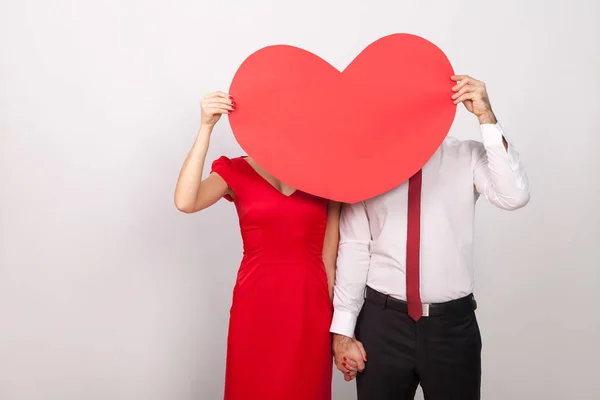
(190, 176)
(330, 270)
(330, 247)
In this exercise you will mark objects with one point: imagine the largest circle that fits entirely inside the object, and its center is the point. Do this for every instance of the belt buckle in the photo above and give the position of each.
(425, 310)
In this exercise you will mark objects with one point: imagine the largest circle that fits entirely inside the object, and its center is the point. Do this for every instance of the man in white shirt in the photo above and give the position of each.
(404, 283)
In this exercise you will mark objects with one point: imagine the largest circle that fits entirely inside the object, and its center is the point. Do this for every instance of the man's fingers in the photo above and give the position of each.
(338, 365)
(457, 78)
(461, 80)
(465, 83)
(460, 85)
(468, 81)
(466, 96)
(463, 90)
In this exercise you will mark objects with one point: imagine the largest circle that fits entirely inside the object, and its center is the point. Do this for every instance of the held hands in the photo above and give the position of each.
(213, 105)
(349, 355)
(473, 94)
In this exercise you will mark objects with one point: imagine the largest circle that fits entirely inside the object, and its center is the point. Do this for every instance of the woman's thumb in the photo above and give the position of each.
(362, 350)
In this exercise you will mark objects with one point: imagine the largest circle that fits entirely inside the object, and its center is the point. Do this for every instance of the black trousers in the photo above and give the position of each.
(442, 353)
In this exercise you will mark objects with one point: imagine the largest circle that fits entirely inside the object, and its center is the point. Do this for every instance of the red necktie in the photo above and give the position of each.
(413, 245)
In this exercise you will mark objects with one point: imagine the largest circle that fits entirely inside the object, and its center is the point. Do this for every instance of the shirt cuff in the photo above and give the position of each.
(492, 134)
(343, 323)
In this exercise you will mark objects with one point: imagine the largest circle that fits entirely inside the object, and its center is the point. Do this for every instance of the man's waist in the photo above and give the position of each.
(456, 306)
(449, 283)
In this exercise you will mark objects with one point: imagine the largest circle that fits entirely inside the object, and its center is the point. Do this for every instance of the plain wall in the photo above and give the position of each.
(107, 292)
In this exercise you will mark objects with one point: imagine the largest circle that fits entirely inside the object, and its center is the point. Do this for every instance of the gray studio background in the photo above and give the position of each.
(108, 293)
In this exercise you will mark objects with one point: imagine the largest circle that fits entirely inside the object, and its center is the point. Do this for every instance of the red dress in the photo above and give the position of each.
(279, 346)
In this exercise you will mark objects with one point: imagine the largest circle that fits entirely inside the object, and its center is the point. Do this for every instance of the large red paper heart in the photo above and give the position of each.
(350, 135)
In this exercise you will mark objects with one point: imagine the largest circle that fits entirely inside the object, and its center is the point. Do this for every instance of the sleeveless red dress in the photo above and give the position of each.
(279, 346)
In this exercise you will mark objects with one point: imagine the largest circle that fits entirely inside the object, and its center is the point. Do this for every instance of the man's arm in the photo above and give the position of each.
(352, 268)
(351, 280)
(498, 173)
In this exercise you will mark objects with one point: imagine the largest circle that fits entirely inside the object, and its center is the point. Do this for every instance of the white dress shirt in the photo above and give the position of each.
(372, 249)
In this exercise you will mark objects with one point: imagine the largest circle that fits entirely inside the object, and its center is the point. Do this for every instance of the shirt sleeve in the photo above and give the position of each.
(223, 167)
(352, 268)
(499, 174)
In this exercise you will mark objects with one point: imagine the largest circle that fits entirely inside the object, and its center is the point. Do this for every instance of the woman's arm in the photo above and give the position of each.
(192, 193)
(330, 247)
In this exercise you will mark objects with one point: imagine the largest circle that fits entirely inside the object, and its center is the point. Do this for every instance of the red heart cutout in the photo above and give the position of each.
(350, 135)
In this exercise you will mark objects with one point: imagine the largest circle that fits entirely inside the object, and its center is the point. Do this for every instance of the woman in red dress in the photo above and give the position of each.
(278, 346)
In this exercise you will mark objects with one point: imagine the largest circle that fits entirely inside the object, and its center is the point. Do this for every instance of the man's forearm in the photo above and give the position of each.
(353, 259)
(499, 174)
(488, 118)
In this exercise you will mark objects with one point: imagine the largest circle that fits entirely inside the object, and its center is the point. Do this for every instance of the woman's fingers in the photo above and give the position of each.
(351, 369)
(350, 364)
(213, 105)
(217, 94)
(218, 97)
(223, 95)
(218, 100)
(218, 110)
(363, 352)
(219, 104)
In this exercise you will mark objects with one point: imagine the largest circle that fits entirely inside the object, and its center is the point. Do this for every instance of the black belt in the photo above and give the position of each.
(463, 305)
